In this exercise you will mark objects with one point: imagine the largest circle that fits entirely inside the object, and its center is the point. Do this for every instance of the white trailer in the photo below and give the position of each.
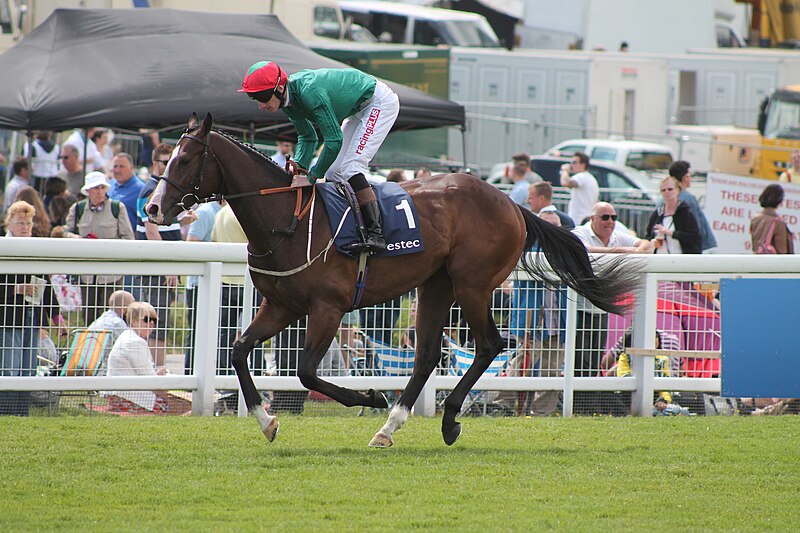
(715, 87)
(529, 100)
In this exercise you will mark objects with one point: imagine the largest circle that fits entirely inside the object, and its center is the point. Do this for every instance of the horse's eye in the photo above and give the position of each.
(183, 161)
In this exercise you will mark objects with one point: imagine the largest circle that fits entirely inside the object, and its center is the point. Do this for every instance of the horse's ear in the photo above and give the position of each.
(206, 125)
(194, 122)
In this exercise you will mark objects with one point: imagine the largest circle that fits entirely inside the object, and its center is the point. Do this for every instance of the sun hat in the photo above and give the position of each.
(92, 180)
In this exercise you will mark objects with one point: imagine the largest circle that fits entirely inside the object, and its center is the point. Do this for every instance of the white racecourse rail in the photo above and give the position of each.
(211, 261)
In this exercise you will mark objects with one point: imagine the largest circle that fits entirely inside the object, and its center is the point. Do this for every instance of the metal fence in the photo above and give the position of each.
(557, 361)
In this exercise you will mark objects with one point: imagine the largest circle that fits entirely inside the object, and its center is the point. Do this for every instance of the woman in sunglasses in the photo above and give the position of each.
(130, 356)
(673, 228)
(354, 113)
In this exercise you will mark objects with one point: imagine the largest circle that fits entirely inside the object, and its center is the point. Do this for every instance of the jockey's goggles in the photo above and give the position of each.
(262, 96)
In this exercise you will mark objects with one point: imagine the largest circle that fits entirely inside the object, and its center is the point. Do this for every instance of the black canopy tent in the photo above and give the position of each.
(151, 68)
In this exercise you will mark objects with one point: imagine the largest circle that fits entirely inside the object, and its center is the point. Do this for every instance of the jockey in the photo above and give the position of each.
(365, 107)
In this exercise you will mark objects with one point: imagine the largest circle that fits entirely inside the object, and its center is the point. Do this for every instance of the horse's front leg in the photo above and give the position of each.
(323, 323)
(268, 322)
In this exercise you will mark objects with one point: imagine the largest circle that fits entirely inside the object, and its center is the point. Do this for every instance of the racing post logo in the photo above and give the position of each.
(371, 121)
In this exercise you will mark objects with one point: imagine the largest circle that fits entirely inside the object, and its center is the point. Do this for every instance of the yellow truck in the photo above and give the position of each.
(779, 126)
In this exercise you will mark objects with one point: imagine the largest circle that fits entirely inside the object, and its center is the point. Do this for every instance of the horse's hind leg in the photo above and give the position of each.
(268, 322)
(488, 343)
(434, 299)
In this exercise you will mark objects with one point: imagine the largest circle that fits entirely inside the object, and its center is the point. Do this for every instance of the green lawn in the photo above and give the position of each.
(220, 474)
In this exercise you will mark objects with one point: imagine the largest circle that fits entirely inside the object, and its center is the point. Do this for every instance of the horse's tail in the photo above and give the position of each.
(570, 261)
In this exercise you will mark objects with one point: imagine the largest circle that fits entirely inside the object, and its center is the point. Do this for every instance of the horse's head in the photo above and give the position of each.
(191, 174)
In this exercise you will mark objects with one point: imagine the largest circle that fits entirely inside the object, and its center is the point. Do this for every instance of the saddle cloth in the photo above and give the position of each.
(400, 222)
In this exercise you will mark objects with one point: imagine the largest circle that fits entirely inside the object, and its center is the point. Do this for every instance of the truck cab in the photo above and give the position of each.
(779, 126)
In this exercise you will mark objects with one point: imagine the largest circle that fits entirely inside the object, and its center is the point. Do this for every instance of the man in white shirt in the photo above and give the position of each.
(584, 190)
(94, 159)
(602, 234)
(21, 179)
(284, 152)
(599, 236)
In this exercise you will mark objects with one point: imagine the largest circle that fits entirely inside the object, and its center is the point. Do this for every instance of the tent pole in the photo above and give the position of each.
(464, 143)
(31, 177)
(85, 148)
(252, 132)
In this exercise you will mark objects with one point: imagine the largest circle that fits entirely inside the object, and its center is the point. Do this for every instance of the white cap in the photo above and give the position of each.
(92, 180)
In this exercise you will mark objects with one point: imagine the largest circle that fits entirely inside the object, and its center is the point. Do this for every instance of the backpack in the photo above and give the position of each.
(765, 246)
(80, 207)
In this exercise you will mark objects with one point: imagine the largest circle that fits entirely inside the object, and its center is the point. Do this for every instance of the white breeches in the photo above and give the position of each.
(363, 133)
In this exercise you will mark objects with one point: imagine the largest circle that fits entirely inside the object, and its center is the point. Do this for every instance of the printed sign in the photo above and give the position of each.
(731, 201)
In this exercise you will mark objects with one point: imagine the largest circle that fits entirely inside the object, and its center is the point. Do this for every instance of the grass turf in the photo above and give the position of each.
(219, 474)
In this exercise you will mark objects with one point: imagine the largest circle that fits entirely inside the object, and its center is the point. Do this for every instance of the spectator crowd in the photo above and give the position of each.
(89, 188)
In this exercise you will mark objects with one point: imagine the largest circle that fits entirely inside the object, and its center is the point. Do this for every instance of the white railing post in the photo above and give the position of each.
(569, 352)
(209, 291)
(426, 403)
(644, 332)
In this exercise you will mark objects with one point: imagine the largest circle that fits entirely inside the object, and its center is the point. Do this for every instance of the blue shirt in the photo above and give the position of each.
(201, 228)
(128, 194)
(519, 193)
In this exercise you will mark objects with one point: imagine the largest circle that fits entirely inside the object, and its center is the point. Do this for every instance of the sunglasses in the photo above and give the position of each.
(150, 319)
(669, 189)
(605, 218)
(162, 161)
(262, 97)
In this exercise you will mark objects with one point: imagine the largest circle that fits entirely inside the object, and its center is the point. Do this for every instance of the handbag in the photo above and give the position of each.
(765, 246)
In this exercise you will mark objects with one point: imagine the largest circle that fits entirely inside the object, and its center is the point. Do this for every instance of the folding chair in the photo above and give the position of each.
(390, 361)
(462, 359)
(87, 352)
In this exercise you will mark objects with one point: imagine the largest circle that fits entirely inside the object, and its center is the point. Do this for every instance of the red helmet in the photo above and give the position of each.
(263, 76)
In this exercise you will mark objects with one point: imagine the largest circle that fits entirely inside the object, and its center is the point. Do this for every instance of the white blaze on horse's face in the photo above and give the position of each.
(155, 200)
(173, 156)
(158, 192)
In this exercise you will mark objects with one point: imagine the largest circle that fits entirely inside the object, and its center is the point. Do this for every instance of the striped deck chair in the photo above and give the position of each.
(461, 361)
(391, 361)
(87, 352)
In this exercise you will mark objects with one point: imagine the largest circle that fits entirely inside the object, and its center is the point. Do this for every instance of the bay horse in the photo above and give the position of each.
(473, 235)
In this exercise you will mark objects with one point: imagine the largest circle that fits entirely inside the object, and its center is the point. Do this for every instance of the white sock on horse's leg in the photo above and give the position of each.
(397, 417)
(263, 418)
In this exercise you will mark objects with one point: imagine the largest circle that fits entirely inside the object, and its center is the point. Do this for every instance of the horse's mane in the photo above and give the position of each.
(252, 150)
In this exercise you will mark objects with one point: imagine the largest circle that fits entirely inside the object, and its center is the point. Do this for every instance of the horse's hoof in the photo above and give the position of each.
(451, 434)
(381, 441)
(378, 398)
(271, 431)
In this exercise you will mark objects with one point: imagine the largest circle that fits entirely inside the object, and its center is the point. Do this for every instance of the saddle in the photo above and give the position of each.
(400, 221)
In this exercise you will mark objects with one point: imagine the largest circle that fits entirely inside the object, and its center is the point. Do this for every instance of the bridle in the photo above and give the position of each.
(190, 197)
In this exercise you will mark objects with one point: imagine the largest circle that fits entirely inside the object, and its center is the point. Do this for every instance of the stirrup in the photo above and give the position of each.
(377, 245)
(365, 246)
(358, 246)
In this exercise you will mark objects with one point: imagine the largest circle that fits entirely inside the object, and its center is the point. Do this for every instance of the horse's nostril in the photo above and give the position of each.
(152, 209)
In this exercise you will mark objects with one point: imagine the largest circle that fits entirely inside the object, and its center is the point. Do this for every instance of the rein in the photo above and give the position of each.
(191, 198)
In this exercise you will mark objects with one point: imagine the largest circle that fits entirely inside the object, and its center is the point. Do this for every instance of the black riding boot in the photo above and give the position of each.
(372, 220)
